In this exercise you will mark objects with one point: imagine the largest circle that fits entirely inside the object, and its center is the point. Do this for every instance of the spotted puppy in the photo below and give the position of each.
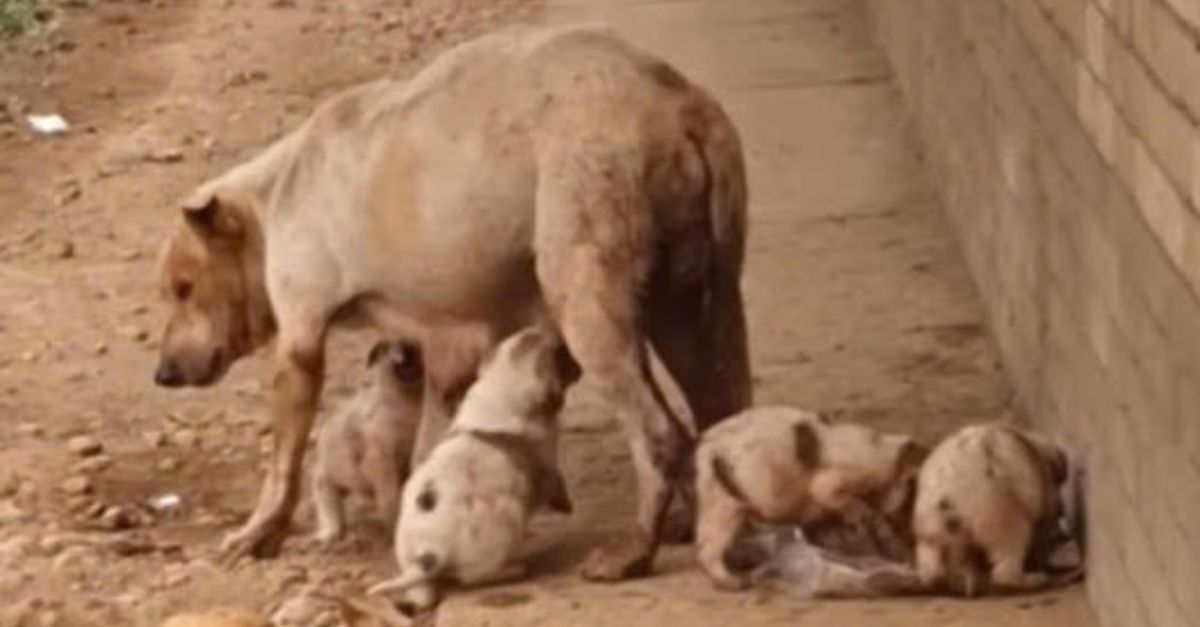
(465, 508)
(984, 497)
(784, 465)
(365, 447)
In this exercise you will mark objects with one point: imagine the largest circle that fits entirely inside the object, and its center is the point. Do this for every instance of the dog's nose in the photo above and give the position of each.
(168, 375)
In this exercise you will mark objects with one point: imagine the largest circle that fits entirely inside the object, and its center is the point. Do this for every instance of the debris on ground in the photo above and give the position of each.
(221, 617)
(47, 124)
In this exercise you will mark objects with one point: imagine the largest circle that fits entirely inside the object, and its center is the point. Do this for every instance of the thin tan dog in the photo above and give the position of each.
(784, 465)
(364, 449)
(556, 175)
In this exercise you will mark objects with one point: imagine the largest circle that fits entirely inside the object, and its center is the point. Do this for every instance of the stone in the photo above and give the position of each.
(77, 485)
(220, 617)
(85, 446)
(92, 465)
(64, 250)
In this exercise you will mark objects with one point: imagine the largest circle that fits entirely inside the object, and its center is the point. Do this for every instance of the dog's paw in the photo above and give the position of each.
(257, 541)
(622, 557)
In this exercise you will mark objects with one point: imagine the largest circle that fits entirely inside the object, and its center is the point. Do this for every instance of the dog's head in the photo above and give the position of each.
(398, 363)
(532, 369)
(211, 276)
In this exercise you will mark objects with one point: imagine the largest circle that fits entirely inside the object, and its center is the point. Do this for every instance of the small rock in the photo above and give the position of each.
(15, 548)
(95, 509)
(64, 250)
(185, 438)
(100, 348)
(49, 618)
(77, 485)
(154, 439)
(31, 429)
(168, 464)
(10, 513)
(10, 484)
(85, 446)
(135, 333)
(117, 518)
(166, 155)
(299, 611)
(74, 559)
(132, 254)
(93, 465)
(221, 617)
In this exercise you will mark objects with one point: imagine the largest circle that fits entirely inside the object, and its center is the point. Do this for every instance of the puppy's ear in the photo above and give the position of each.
(908, 461)
(210, 218)
(568, 369)
(553, 490)
(376, 352)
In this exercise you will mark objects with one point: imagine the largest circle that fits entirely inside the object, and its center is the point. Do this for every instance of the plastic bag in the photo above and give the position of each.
(782, 557)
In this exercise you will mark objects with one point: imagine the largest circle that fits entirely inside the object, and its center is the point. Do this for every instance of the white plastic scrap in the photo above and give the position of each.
(164, 503)
(48, 124)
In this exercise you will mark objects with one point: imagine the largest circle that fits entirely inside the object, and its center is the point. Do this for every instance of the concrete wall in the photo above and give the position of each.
(1064, 137)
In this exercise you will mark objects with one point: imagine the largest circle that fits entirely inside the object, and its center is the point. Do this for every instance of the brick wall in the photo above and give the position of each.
(1064, 137)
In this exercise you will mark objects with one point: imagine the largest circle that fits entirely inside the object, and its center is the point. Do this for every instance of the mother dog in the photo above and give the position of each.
(552, 175)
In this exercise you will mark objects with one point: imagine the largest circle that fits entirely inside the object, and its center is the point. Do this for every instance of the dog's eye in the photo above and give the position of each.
(182, 289)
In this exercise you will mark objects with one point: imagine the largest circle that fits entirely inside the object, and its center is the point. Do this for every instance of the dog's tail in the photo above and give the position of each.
(721, 149)
(426, 569)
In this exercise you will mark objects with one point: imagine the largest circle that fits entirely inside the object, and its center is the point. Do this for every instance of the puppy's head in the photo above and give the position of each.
(211, 277)
(533, 369)
(398, 363)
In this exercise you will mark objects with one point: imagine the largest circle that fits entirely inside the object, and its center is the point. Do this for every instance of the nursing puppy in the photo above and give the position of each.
(986, 496)
(365, 447)
(465, 508)
(784, 465)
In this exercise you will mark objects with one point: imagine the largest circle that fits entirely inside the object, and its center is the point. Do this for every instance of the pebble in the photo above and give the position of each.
(185, 438)
(166, 155)
(304, 610)
(117, 518)
(10, 513)
(85, 446)
(135, 333)
(93, 465)
(168, 464)
(154, 439)
(31, 429)
(77, 485)
(220, 617)
(74, 558)
(100, 348)
(64, 250)
(10, 484)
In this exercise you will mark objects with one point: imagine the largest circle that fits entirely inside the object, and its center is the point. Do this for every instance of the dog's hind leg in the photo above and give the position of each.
(594, 247)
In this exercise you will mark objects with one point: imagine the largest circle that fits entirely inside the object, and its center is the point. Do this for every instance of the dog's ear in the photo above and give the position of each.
(210, 217)
(407, 363)
(376, 352)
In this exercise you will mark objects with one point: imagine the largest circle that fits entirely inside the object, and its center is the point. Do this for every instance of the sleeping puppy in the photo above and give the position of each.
(784, 465)
(987, 499)
(365, 447)
(465, 508)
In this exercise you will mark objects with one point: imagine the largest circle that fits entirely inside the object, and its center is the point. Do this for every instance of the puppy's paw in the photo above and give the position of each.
(622, 557)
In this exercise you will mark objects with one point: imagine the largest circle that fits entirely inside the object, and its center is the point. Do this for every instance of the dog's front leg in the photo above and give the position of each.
(299, 371)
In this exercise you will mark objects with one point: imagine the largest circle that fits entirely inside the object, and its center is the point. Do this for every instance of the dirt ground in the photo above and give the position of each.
(859, 302)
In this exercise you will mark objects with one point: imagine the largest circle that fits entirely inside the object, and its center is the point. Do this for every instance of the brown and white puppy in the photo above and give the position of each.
(607, 194)
(984, 497)
(365, 447)
(784, 465)
(466, 507)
